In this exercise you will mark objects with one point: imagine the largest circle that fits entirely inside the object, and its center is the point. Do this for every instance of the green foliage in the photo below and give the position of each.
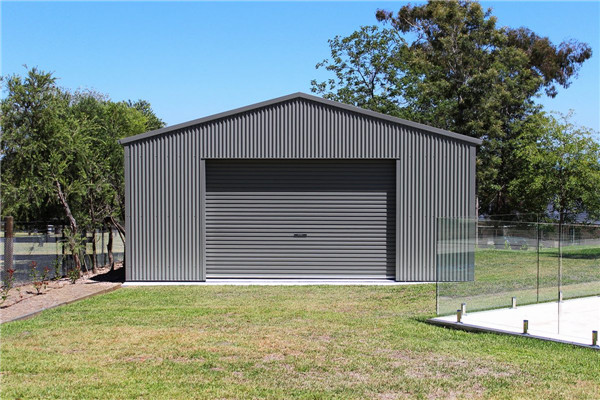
(560, 167)
(74, 274)
(449, 65)
(57, 265)
(368, 70)
(7, 284)
(40, 143)
(152, 122)
(76, 242)
(40, 281)
(60, 150)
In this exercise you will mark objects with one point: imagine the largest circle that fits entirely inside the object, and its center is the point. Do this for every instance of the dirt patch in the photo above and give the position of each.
(428, 365)
(23, 301)
(143, 358)
(185, 360)
(322, 338)
(273, 357)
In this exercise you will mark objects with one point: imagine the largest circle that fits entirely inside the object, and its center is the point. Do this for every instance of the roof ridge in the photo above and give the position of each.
(305, 96)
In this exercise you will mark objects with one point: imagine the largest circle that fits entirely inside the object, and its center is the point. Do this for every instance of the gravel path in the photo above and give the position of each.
(25, 303)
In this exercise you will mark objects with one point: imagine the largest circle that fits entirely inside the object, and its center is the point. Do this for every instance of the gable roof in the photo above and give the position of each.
(300, 95)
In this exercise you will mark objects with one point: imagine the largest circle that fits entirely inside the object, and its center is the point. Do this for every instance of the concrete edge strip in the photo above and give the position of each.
(479, 329)
(64, 303)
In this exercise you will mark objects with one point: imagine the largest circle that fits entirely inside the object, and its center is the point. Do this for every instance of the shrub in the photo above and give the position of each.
(74, 274)
(57, 272)
(7, 284)
(40, 282)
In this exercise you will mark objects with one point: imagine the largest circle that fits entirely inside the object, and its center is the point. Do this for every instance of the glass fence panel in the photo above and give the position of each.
(580, 261)
(505, 265)
(579, 277)
(502, 273)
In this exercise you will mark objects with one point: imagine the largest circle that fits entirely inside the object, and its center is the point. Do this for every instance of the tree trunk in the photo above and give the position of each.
(72, 223)
(121, 230)
(84, 241)
(109, 249)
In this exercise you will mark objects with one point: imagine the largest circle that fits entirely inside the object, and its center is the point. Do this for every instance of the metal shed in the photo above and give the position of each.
(294, 187)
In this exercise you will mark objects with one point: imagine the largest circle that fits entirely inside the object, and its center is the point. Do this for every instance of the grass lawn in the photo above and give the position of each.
(308, 342)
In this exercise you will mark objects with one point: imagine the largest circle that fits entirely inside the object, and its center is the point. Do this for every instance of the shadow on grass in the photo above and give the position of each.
(582, 256)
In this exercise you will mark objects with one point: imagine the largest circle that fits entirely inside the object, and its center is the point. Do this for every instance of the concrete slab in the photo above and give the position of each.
(571, 321)
(280, 282)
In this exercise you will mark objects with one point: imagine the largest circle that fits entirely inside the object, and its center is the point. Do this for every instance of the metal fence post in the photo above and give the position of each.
(538, 259)
(560, 238)
(437, 267)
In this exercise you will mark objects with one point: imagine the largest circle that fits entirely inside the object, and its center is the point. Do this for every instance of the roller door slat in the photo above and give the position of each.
(329, 219)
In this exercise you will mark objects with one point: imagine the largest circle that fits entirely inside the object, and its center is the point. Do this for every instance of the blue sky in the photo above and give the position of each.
(192, 59)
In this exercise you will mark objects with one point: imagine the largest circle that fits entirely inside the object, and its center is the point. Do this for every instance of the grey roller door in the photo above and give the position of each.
(300, 218)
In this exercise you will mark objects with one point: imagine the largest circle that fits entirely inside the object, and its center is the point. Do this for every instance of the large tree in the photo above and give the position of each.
(43, 148)
(60, 153)
(449, 65)
(561, 168)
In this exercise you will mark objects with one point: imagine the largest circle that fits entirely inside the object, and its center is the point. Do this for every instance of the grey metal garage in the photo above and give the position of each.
(295, 187)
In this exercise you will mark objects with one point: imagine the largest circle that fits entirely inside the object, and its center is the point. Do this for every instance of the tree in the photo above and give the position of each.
(152, 121)
(561, 171)
(449, 65)
(121, 120)
(367, 70)
(60, 154)
(42, 149)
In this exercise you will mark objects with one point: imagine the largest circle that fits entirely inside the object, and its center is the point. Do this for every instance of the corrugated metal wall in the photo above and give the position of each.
(435, 177)
(300, 218)
(163, 210)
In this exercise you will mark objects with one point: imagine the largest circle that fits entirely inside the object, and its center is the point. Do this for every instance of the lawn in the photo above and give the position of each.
(311, 342)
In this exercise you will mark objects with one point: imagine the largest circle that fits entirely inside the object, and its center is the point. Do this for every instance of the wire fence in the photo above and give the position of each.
(44, 245)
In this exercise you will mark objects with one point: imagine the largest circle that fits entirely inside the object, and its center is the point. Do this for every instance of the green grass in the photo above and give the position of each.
(312, 342)
(502, 274)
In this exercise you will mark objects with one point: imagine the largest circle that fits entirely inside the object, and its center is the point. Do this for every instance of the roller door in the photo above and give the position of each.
(300, 219)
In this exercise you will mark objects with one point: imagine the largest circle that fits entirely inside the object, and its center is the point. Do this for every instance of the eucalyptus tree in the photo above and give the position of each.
(451, 65)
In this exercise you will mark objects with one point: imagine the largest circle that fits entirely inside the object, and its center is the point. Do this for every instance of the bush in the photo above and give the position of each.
(40, 282)
(74, 274)
(7, 284)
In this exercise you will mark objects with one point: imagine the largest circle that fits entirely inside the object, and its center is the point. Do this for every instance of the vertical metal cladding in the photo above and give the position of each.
(165, 180)
(163, 214)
